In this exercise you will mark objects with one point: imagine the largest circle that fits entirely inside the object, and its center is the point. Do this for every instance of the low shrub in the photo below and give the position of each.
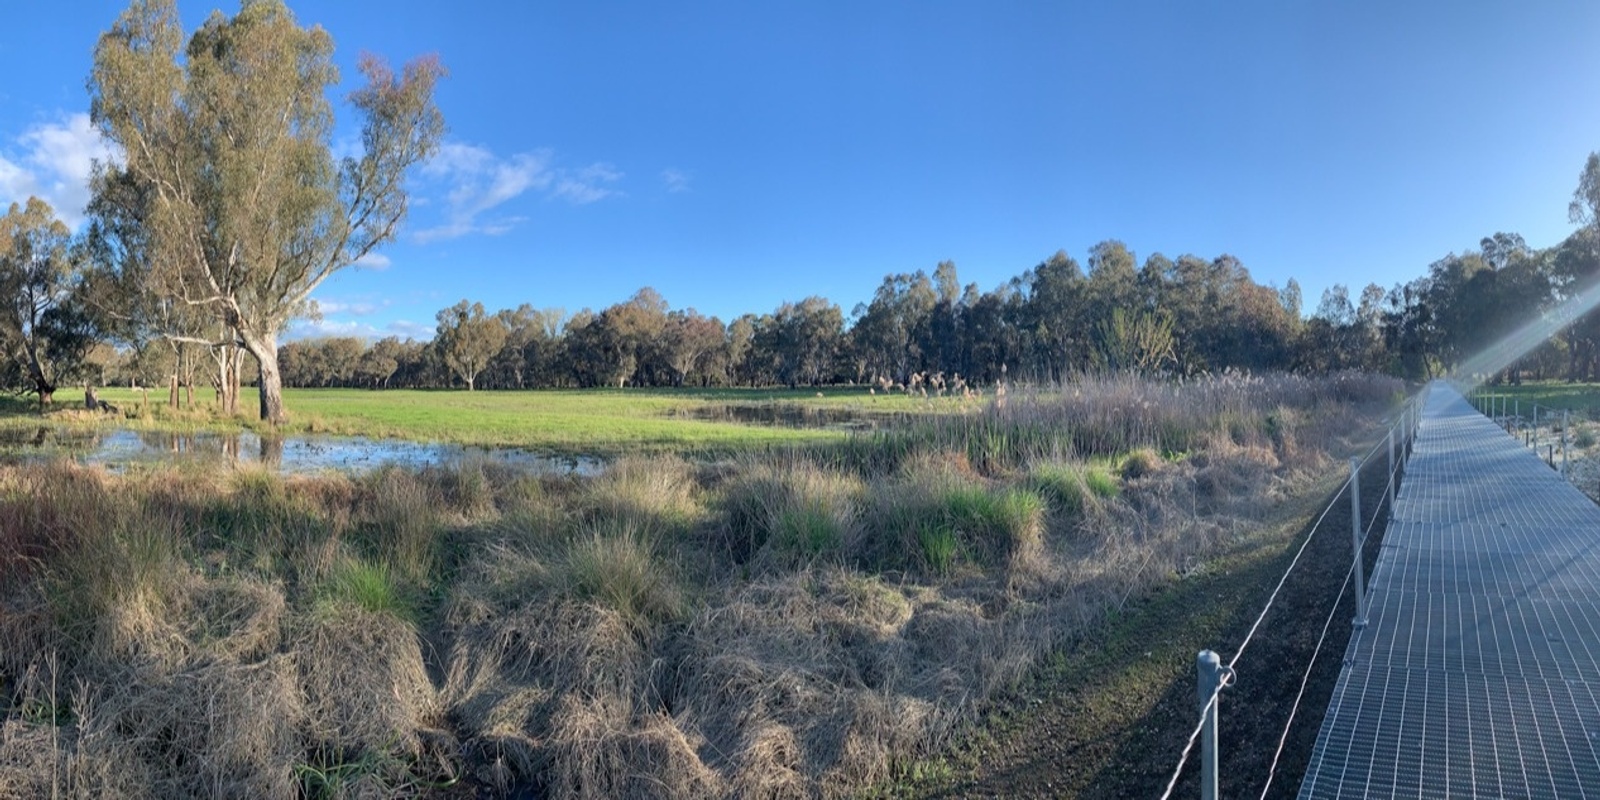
(808, 529)
(367, 585)
(1140, 463)
(616, 567)
(943, 519)
(1583, 436)
(1063, 484)
(403, 522)
(789, 510)
(1101, 483)
(655, 495)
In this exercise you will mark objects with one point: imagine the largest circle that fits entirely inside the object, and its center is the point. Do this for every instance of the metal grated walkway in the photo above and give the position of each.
(1478, 674)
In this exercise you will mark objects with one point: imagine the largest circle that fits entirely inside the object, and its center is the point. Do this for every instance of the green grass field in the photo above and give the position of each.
(570, 421)
(1575, 397)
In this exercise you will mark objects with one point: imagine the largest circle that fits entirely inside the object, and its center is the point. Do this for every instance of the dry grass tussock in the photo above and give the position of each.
(800, 624)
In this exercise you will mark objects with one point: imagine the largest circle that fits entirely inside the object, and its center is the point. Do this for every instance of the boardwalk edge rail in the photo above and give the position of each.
(1213, 676)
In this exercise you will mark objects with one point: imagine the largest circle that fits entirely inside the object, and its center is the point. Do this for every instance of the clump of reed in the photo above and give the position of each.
(1108, 416)
(789, 510)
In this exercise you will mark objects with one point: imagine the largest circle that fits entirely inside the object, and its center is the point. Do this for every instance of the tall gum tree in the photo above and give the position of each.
(43, 325)
(248, 210)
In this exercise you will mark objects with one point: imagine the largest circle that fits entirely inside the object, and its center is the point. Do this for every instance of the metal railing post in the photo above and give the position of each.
(1566, 420)
(1209, 667)
(1388, 490)
(1413, 423)
(1355, 542)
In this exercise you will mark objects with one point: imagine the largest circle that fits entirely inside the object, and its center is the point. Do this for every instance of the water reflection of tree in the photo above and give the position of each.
(272, 451)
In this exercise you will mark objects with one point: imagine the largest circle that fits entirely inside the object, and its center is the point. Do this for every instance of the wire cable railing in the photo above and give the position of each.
(1327, 624)
(1506, 411)
(1404, 429)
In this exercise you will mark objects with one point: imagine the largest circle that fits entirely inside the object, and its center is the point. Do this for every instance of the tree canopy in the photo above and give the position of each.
(239, 206)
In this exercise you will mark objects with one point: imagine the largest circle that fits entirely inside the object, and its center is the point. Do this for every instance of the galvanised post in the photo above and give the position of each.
(1566, 419)
(1389, 486)
(1355, 542)
(1209, 667)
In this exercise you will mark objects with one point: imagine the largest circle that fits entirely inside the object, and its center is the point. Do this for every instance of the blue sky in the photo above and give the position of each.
(735, 155)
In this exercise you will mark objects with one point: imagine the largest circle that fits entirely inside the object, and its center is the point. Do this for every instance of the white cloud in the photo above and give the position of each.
(587, 185)
(326, 328)
(676, 180)
(16, 183)
(479, 182)
(356, 309)
(55, 162)
(377, 261)
(317, 329)
(407, 329)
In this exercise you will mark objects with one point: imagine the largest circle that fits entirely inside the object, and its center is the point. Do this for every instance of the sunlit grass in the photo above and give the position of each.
(1583, 397)
(586, 421)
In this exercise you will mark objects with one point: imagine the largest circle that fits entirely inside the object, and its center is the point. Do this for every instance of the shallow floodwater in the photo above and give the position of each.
(787, 415)
(121, 448)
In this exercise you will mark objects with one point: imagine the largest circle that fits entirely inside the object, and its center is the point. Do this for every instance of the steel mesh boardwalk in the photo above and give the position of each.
(1478, 674)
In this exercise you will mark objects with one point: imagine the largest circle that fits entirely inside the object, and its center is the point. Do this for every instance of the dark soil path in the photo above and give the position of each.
(1109, 715)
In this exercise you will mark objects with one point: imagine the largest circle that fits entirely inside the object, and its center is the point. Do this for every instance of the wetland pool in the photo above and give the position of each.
(120, 449)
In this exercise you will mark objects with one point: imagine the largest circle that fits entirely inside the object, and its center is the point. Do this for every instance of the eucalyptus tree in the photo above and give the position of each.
(688, 339)
(380, 361)
(467, 339)
(230, 137)
(1585, 206)
(807, 336)
(44, 330)
(1056, 299)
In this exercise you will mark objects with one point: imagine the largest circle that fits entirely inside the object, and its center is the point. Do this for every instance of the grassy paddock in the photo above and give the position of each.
(1577, 397)
(805, 621)
(602, 421)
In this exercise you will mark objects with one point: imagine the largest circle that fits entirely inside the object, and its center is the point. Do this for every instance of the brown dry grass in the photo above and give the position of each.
(797, 625)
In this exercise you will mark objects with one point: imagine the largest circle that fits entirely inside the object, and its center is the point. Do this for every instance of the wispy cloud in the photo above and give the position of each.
(53, 161)
(479, 183)
(355, 309)
(676, 180)
(328, 328)
(587, 185)
(407, 329)
(377, 261)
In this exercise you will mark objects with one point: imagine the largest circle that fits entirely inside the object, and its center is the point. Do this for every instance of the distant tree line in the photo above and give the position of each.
(1178, 316)
(1051, 322)
(69, 317)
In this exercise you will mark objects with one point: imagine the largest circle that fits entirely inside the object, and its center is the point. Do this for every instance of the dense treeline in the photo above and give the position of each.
(917, 332)
(1183, 316)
